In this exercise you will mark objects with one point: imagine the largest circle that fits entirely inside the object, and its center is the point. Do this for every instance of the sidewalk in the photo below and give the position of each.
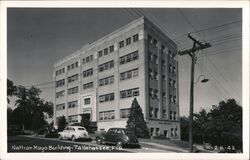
(160, 146)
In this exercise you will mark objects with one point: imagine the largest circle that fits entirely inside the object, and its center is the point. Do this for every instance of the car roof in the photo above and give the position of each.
(77, 127)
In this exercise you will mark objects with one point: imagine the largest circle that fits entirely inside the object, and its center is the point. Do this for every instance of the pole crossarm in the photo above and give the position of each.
(192, 50)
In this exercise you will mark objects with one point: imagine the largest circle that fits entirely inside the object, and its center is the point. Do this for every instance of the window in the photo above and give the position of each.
(129, 74)
(170, 115)
(87, 59)
(73, 119)
(157, 131)
(60, 106)
(106, 51)
(135, 37)
(106, 97)
(60, 83)
(73, 78)
(172, 132)
(60, 94)
(151, 112)
(99, 53)
(73, 90)
(174, 115)
(111, 48)
(107, 115)
(155, 42)
(60, 71)
(72, 66)
(86, 101)
(83, 61)
(106, 66)
(176, 132)
(87, 73)
(156, 112)
(121, 44)
(129, 57)
(128, 41)
(87, 85)
(106, 81)
(164, 113)
(73, 104)
(129, 93)
(149, 39)
(124, 113)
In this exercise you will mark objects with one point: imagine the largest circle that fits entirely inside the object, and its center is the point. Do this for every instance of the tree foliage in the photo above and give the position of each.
(61, 123)
(221, 126)
(30, 108)
(136, 122)
(11, 89)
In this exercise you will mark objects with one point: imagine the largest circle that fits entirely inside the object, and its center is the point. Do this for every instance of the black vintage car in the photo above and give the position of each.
(119, 137)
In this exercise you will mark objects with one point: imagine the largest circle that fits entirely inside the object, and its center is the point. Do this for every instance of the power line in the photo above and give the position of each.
(209, 28)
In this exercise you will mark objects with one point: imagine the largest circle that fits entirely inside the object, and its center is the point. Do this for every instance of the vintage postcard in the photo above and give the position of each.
(124, 80)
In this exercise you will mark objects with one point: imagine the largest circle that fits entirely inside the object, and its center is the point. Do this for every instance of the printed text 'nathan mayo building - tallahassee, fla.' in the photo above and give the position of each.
(101, 80)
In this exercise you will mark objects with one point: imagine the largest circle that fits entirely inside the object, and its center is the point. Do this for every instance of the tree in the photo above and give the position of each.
(136, 122)
(184, 124)
(61, 123)
(11, 89)
(224, 126)
(200, 126)
(31, 108)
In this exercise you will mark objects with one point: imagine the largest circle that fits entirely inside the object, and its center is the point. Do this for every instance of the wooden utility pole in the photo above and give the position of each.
(191, 52)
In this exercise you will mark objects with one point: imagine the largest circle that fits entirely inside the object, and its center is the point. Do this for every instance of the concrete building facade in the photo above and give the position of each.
(101, 80)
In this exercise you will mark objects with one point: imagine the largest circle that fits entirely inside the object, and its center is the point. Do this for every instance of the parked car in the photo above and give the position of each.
(74, 133)
(117, 136)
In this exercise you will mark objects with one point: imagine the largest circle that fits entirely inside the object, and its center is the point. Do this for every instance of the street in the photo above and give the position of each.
(23, 143)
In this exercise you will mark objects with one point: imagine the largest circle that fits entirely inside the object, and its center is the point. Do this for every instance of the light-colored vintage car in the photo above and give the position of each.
(74, 133)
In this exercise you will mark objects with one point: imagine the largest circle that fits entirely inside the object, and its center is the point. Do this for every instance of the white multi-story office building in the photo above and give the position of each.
(101, 80)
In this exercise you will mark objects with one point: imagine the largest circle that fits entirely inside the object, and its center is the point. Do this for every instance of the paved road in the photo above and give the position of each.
(40, 144)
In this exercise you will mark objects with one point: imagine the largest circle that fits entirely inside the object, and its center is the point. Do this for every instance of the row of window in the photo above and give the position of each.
(129, 57)
(106, 81)
(106, 66)
(72, 66)
(60, 94)
(128, 41)
(87, 85)
(73, 104)
(87, 73)
(73, 119)
(107, 115)
(60, 83)
(73, 90)
(60, 107)
(106, 97)
(129, 74)
(156, 132)
(172, 99)
(60, 71)
(87, 59)
(153, 93)
(129, 93)
(173, 115)
(73, 78)
(106, 51)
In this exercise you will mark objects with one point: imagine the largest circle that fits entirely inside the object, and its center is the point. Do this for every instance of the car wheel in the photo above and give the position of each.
(73, 138)
(99, 141)
(60, 137)
(119, 144)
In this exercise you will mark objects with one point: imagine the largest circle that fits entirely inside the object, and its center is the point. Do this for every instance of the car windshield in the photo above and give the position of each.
(81, 128)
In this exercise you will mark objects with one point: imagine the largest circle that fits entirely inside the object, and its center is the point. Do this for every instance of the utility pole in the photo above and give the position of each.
(191, 52)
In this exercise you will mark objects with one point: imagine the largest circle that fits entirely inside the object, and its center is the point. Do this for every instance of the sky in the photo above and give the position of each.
(37, 38)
